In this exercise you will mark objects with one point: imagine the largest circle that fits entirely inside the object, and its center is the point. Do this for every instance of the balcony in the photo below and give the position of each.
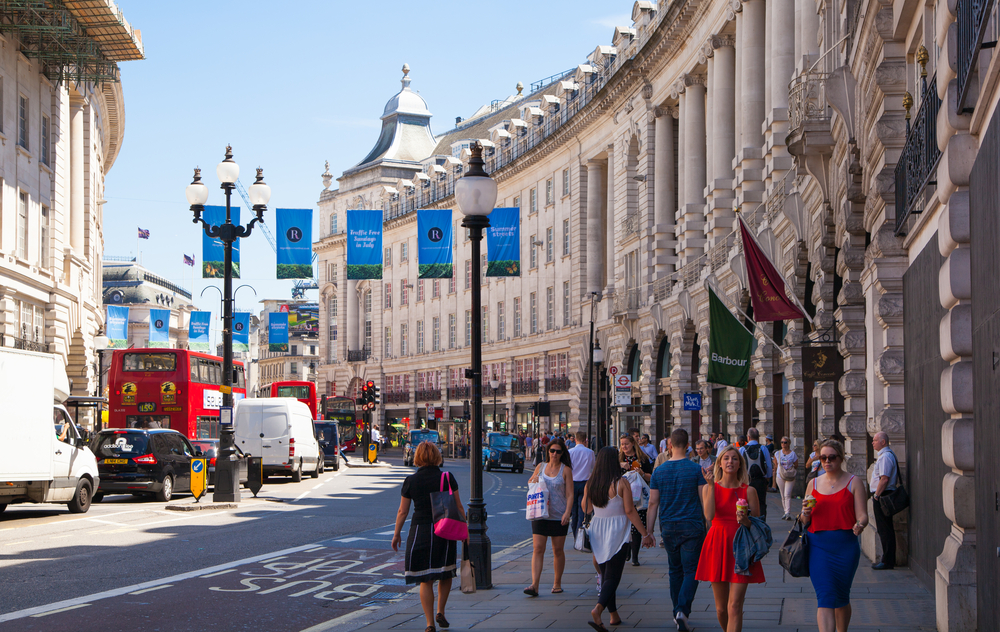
(30, 341)
(627, 303)
(458, 392)
(808, 115)
(359, 355)
(917, 164)
(500, 391)
(557, 384)
(973, 23)
(397, 397)
(524, 387)
(428, 395)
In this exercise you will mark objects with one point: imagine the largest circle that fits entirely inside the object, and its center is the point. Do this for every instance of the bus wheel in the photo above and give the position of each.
(297, 474)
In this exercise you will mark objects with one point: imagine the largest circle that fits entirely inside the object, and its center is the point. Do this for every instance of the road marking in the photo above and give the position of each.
(317, 486)
(349, 540)
(20, 542)
(386, 533)
(506, 513)
(59, 537)
(332, 623)
(45, 614)
(318, 548)
(217, 574)
(117, 592)
(146, 590)
(300, 496)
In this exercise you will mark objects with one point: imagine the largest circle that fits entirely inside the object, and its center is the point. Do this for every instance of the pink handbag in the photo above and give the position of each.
(448, 523)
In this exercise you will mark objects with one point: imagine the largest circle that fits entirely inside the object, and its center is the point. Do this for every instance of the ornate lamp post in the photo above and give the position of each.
(476, 193)
(495, 384)
(594, 300)
(227, 487)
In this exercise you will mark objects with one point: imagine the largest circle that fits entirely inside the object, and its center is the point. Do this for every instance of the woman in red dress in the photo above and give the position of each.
(728, 484)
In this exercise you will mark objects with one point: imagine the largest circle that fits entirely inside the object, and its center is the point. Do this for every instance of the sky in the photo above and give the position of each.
(291, 85)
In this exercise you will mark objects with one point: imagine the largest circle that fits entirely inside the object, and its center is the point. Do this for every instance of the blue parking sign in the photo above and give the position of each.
(692, 401)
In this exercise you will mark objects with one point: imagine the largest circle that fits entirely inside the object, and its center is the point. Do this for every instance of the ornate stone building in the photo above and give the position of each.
(847, 138)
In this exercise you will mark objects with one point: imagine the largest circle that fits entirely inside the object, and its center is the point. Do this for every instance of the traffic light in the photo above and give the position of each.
(376, 391)
(364, 397)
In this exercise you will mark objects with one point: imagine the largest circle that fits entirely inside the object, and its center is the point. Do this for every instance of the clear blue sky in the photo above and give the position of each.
(293, 84)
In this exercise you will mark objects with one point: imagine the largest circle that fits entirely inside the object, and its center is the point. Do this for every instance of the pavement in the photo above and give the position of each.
(882, 601)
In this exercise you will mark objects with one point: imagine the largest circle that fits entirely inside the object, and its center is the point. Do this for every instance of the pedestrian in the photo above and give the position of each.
(582, 460)
(885, 478)
(609, 496)
(428, 558)
(758, 467)
(720, 444)
(728, 483)
(664, 447)
(786, 467)
(557, 473)
(647, 447)
(836, 520)
(813, 468)
(771, 449)
(704, 457)
(675, 491)
(630, 457)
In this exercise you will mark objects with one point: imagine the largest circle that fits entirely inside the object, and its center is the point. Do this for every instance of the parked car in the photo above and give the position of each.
(209, 449)
(414, 438)
(142, 461)
(504, 452)
(328, 434)
(281, 431)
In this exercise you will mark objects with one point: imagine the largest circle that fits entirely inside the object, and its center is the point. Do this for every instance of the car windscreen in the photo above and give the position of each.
(427, 435)
(121, 444)
(501, 441)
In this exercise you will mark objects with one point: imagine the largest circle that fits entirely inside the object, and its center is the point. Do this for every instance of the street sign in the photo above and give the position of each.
(623, 382)
(613, 370)
(623, 399)
(199, 470)
(692, 401)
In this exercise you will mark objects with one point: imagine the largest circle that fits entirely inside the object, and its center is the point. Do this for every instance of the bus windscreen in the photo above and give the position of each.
(298, 392)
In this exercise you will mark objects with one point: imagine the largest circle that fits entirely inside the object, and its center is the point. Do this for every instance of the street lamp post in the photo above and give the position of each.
(495, 384)
(594, 300)
(476, 193)
(227, 488)
(100, 344)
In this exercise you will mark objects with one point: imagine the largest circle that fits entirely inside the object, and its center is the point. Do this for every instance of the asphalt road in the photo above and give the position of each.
(299, 555)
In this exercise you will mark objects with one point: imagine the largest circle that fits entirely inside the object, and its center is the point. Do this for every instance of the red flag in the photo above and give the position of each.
(767, 288)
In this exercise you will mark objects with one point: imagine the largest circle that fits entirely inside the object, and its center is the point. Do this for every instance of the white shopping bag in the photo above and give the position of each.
(640, 490)
(538, 501)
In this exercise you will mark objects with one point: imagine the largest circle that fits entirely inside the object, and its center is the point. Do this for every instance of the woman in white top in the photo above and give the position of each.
(609, 496)
(786, 466)
(557, 473)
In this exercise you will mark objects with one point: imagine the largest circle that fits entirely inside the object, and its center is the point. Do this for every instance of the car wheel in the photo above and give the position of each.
(321, 467)
(297, 474)
(2, 507)
(336, 466)
(96, 498)
(487, 466)
(315, 473)
(80, 502)
(165, 494)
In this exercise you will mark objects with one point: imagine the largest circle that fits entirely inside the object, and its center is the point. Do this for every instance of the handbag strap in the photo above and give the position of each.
(445, 476)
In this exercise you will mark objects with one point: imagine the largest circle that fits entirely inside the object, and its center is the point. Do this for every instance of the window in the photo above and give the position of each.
(22, 225)
(533, 257)
(387, 349)
(420, 336)
(517, 317)
(388, 296)
(451, 281)
(388, 256)
(45, 141)
(468, 328)
(468, 274)
(436, 333)
(333, 224)
(452, 334)
(295, 350)
(404, 252)
(44, 238)
(486, 322)
(533, 314)
(501, 329)
(22, 121)
(404, 293)
(482, 268)
(565, 179)
(549, 245)
(368, 320)
(517, 201)
(403, 335)
(533, 201)
(436, 288)
(420, 290)
(566, 310)
(565, 237)
(550, 308)
(332, 328)
(549, 192)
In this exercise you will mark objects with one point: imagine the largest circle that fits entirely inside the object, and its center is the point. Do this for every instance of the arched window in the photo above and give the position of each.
(663, 359)
(634, 363)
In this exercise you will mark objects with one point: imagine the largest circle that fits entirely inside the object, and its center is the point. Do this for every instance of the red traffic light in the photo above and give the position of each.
(370, 384)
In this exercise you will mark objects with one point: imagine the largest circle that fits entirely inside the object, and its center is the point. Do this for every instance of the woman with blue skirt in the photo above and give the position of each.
(836, 512)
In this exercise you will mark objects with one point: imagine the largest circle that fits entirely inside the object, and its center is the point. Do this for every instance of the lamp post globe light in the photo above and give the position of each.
(476, 193)
(227, 488)
(495, 384)
(597, 356)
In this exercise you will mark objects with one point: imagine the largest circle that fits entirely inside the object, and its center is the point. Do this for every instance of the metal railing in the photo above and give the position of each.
(628, 300)
(27, 342)
(500, 391)
(397, 397)
(973, 20)
(918, 162)
(428, 395)
(807, 100)
(524, 387)
(556, 384)
(358, 355)
(458, 392)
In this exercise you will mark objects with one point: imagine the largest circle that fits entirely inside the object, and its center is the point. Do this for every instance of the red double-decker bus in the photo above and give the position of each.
(343, 410)
(305, 392)
(169, 388)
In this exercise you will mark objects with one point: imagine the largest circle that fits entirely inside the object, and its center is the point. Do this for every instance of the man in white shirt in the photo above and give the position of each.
(646, 446)
(721, 444)
(885, 477)
(582, 460)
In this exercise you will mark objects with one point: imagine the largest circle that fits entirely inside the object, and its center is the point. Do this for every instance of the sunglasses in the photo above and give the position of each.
(828, 458)
(784, 443)
(555, 451)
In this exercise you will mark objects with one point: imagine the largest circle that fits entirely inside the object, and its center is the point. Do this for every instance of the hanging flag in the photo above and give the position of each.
(294, 243)
(434, 244)
(767, 287)
(199, 327)
(159, 328)
(189, 261)
(277, 331)
(143, 234)
(364, 244)
(241, 331)
(213, 251)
(503, 243)
(116, 326)
(729, 345)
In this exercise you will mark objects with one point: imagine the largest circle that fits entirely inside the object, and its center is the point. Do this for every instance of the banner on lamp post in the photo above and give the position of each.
(364, 245)
(159, 328)
(503, 243)
(116, 326)
(241, 331)
(434, 244)
(199, 327)
(277, 332)
(294, 243)
(213, 251)
(729, 345)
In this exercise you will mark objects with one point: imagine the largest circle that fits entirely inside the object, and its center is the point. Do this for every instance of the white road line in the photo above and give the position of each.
(332, 623)
(146, 590)
(317, 486)
(349, 540)
(300, 496)
(386, 533)
(45, 614)
(217, 574)
(117, 592)
(318, 548)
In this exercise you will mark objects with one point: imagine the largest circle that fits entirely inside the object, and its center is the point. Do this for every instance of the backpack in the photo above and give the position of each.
(755, 461)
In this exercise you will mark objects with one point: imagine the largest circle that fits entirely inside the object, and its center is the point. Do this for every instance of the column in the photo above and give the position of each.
(664, 196)
(782, 19)
(809, 32)
(595, 201)
(693, 243)
(76, 177)
(609, 234)
(723, 136)
(709, 111)
(738, 83)
(752, 73)
(681, 150)
(353, 322)
(768, 44)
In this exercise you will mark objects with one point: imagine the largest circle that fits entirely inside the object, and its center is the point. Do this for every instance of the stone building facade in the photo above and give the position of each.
(849, 140)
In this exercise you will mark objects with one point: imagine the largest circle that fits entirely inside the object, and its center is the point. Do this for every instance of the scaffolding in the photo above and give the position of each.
(74, 40)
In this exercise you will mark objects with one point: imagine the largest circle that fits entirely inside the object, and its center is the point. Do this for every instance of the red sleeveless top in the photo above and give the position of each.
(835, 511)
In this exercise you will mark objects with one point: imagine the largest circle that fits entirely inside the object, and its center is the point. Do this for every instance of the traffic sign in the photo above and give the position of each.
(623, 399)
(623, 382)
(613, 370)
(199, 470)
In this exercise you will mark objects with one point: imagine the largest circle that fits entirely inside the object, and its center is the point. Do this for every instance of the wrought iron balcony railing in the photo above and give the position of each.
(458, 392)
(918, 162)
(556, 384)
(358, 355)
(524, 387)
(397, 397)
(807, 100)
(500, 391)
(428, 395)
(31, 341)
(973, 22)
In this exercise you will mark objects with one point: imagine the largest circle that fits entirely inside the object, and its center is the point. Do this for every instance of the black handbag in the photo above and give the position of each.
(895, 501)
(794, 553)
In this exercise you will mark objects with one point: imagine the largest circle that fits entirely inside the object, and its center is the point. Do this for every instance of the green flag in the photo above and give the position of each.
(729, 345)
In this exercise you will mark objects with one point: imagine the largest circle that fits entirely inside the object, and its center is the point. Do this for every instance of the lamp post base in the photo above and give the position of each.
(227, 474)
(480, 548)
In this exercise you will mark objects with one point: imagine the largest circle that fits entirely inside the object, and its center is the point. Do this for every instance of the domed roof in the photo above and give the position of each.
(406, 101)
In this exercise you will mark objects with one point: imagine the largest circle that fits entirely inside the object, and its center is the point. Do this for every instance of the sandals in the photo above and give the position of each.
(441, 621)
(597, 626)
(430, 628)
(556, 591)
(531, 592)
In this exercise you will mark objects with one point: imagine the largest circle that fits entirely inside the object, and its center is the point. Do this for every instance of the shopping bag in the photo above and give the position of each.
(794, 553)
(448, 523)
(538, 501)
(640, 490)
(468, 572)
(582, 540)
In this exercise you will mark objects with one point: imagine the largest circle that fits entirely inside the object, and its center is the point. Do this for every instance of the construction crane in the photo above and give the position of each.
(301, 285)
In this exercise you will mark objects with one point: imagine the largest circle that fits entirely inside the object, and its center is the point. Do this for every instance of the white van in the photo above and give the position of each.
(280, 430)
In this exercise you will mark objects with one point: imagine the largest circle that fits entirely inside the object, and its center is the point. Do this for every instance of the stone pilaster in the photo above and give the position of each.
(596, 199)
(665, 198)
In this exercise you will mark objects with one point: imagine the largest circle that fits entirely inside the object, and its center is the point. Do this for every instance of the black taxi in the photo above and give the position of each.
(504, 452)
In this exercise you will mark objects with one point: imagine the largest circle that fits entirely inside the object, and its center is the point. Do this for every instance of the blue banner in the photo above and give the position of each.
(503, 243)
(116, 327)
(159, 328)
(213, 251)
(241, 331)
(199, 328)
(277, 331)
(294, 243)
(364, 244)
(434, 244)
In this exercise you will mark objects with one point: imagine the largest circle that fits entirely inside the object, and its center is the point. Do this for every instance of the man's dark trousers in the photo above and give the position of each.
(760, 484)
(578, 517)
(683, 543)
(886, 534)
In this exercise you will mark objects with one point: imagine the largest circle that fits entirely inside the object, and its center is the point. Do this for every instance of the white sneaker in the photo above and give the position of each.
(682, 622)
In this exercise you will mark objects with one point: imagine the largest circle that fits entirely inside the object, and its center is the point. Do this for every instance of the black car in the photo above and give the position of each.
(328, 435)
(415, 438)
(504, 452)
(143, 462)
(209, 449)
